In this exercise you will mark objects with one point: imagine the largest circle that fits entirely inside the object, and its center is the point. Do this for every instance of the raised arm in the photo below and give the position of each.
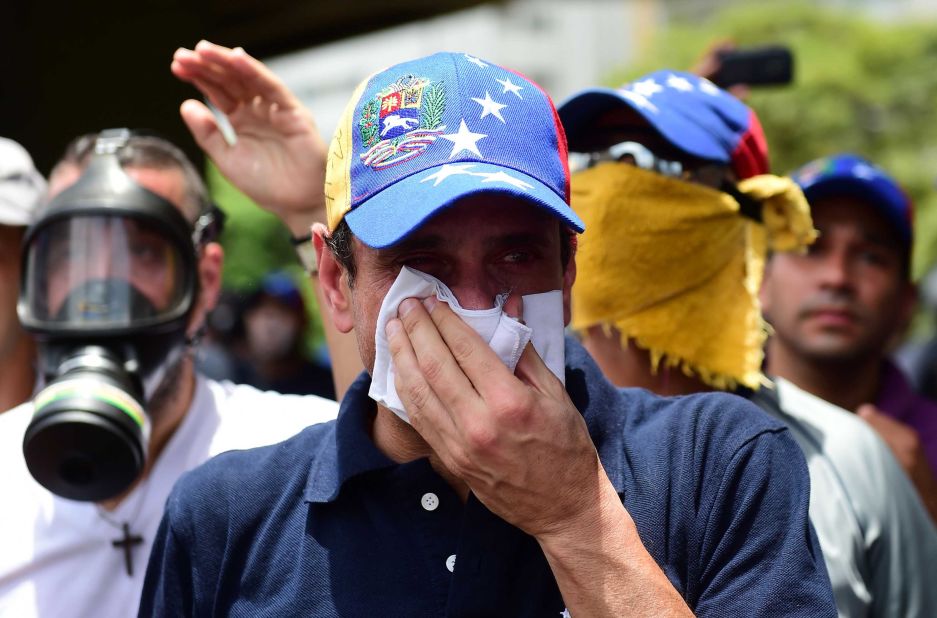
(277, 158)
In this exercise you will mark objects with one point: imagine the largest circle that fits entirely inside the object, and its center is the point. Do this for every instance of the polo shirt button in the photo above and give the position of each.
(430, 501)
(450, 563)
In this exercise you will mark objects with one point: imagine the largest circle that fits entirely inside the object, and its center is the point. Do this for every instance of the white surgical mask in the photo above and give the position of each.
(543, 327)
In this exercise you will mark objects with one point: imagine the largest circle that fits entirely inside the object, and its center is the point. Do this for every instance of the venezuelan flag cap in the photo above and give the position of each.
(690, 112)
(850, 175)
(417, 137)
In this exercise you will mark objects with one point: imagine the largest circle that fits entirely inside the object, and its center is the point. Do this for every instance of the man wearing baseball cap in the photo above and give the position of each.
(672, 182)
(487, 479)
(21, 188)
(836, 310)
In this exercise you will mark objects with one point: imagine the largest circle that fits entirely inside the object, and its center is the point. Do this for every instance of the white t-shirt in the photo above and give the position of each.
(56, 555)
(879, 543)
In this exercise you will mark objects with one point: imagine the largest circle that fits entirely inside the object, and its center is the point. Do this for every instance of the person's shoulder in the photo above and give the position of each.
(242, 484)
(244, 398)
(861, 458)
(16, 417)
(247, 417)
(717, 416)
(13, 424)
(836, 428)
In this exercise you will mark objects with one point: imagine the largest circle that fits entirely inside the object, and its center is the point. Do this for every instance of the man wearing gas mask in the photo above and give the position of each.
(671, 178)
(120, 268)
(470, 473)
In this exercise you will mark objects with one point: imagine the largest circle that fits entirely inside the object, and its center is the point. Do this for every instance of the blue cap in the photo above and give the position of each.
(422, 134)
(280, 286)
(689, 111)
(849, 174)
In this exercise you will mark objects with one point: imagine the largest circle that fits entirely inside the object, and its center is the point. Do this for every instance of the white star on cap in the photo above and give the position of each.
(464, 140)
(510, 87)
(865, 171)
(476, 61)
(565, 613)
(448, 170)
(708, 87)
(501, 176)
(639, 99)
(679, 83)
(646, 87)
(490, 106)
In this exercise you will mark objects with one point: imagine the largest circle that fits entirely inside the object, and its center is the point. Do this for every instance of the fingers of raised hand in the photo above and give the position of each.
(250, 74)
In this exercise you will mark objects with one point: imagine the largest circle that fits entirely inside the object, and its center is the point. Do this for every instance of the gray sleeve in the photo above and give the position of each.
(902, 544)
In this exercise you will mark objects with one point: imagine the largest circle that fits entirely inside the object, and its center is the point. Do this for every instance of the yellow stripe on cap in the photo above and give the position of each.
(338, 163)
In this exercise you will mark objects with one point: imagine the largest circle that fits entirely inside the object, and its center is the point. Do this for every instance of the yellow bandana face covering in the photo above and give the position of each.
(675, 267)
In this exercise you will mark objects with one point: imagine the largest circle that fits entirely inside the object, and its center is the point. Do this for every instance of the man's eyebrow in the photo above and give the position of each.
(409, 245)
(519, 238)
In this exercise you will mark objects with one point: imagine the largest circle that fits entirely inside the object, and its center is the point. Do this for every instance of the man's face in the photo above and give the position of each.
(845, 298)
(480, 247)
(107, 248)
(10, 330)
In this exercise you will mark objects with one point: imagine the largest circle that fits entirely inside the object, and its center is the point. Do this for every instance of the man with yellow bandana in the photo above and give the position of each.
(670, 178)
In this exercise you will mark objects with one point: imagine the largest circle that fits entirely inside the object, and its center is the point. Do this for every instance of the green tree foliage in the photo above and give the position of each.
(860, 86)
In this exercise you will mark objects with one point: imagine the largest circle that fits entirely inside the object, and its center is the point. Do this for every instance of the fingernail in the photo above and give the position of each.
(392, 328)
(430, 302)
(407, 306)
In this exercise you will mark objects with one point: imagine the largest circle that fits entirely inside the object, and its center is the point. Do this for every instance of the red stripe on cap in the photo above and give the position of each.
(750, 157)
(563, 149)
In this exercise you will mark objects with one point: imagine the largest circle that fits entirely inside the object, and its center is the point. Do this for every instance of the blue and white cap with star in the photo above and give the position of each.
(421, 135)
(850, 175)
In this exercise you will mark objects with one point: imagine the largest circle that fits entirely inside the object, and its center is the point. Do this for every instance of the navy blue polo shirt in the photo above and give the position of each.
(325, 525)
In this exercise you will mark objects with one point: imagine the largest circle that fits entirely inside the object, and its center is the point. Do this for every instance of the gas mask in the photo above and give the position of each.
(109, 282)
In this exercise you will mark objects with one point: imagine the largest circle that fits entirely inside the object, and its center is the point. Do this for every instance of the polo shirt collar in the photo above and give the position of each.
(349, 450)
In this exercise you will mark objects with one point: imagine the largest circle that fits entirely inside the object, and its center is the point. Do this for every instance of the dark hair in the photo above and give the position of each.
(341, 243)
(147, 152)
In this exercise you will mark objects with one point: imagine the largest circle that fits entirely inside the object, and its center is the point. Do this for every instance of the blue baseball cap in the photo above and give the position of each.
(849, 174)
(423, 134)
(690, 112)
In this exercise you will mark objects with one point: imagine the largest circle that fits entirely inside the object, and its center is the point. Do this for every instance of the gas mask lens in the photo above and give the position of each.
(103, 272)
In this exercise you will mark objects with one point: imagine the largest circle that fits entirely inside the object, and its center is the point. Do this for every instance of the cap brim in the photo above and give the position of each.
(579, 113)
(403, 207)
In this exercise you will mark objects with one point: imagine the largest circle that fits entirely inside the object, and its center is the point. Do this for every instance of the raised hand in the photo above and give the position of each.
(278, 159)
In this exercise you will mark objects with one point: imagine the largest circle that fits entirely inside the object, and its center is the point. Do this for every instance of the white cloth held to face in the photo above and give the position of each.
(543, 315)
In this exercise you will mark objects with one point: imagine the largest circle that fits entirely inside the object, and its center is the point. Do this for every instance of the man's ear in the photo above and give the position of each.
(569, 278)
(332, 282)
(210, 265)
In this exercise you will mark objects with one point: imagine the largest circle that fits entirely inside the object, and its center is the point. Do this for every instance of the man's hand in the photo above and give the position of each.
(516, 440)
(521, 446)
(278, 159)
(905, 444)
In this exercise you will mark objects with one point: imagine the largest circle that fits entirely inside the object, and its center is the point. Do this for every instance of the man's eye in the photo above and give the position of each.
(876, 258)
(417, 260)
(517, 257)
